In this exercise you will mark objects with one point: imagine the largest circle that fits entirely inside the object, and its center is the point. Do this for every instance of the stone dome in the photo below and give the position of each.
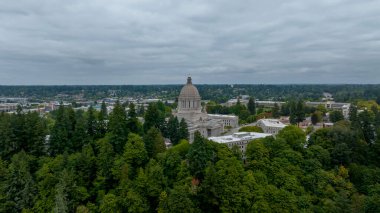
(189, 100)
(189, 91)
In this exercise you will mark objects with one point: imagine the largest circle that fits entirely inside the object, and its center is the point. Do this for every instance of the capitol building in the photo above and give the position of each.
(190, 109)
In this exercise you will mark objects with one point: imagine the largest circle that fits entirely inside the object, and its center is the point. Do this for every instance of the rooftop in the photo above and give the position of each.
(220, 115)
(239, 136)
(272, 123)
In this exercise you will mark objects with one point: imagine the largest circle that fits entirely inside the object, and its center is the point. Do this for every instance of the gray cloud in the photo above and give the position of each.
(160, 42)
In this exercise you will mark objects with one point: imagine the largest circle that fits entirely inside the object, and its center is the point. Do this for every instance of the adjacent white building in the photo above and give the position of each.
(228, 120)
(270, 126)
(240, 139)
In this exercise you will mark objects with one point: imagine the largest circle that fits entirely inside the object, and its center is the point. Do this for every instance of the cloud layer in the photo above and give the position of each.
(160, 42)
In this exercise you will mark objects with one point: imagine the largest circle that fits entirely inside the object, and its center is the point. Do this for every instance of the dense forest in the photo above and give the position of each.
(218, 93)
(99, 162)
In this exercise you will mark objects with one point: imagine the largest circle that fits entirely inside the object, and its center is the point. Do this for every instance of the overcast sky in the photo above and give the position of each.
(161, 42)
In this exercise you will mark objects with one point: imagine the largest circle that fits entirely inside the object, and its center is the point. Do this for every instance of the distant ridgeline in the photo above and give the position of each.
(218, 93)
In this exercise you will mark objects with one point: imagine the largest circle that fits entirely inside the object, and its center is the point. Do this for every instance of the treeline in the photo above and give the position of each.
(218, 93)
(127, 168)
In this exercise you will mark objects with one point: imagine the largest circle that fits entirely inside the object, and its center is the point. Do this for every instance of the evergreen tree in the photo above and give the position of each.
(276, 111)
(353, 116)
(61, 205)
(285, 109)
(18, 130)
(71, 122)
(134, 153)
(293, 113)
(366, 124)
(20, 187)
(80, 136)
(173, 130)
(102, 121)
(59, 138)
(251, 106)
(104, 162)
(199, 154)
(316, 117)
(154, 118)
(300, 111)
(154, 142)
(377, 120)
(336, 116)
(35, 131)
(118, 128)
(91, 122)
(297, 112)
(133, 123)
(6, 142)
(183, 130)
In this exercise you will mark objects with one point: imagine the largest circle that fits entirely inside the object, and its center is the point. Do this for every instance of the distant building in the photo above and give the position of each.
(8, 107)
(240, 139)
(270, 126)
(344, 107)
(233, 102)
(327, 97)
(190, 109)
(13, 100)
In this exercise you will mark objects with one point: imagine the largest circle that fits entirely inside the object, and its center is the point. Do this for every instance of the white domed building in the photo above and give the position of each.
(190, 108)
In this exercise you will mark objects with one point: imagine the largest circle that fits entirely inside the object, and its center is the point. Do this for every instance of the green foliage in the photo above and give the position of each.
(252, 106)
(297, 112)
(176, 131)
(19, 188)
(316, 117)
(199, 154)
(276, 111)
(172, 130)
(22, 131)
(225, 185)
(134, 151)
(294, 136)
(118, 127)
(91, 122)
(110, 203)
(102, 121)
(154, 142)
(251, 129)
(336, 116)
(336, 170)
(184, 131)
(133, 123)
(155, 117)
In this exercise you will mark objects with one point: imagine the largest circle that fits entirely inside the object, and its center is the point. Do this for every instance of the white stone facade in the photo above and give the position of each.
(228, 120)
(270, 126)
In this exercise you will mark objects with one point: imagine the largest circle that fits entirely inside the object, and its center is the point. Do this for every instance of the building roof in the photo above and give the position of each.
(239, 136)
(222, 116)
(272, 123)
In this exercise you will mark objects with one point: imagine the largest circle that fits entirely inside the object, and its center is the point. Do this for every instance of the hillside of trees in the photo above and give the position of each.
(99, 162)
